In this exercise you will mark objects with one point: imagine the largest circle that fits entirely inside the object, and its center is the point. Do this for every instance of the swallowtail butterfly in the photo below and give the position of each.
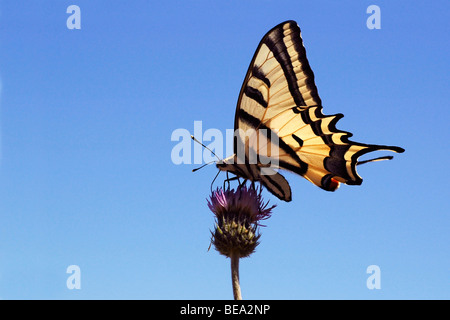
(279, 99)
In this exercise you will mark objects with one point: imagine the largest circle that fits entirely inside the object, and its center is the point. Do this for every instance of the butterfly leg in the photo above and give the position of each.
(212, 182)
(243, 182)
(228, 181)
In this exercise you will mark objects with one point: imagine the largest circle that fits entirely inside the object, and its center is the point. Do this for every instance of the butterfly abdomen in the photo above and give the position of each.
(243, 169)
(269, 177)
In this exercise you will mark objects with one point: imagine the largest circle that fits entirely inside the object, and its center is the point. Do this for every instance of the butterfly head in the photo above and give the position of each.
(226, 164)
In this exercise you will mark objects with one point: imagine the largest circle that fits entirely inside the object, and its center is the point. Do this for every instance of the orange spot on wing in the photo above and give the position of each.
(334, 184)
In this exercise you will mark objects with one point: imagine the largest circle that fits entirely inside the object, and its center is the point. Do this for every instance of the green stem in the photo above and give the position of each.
(235, 276)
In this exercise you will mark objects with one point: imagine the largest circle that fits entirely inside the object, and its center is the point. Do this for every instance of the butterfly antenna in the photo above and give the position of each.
(206, 164)
(193, 138)
(213, 182)
(376, 159)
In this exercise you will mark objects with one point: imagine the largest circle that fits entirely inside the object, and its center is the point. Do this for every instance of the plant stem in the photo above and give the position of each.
(235, 276)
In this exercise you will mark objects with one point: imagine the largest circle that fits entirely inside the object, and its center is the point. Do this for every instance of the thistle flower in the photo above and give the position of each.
(237, 214)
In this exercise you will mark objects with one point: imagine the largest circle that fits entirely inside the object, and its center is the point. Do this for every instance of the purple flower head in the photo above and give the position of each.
(238, 213)
(244, 201)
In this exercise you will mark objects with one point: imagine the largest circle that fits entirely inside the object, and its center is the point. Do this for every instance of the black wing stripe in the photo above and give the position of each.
(298, 170)
(253, 170)
(298, 139)
(277, 185)
(336, 162)
(306, 68)
(275, 188)
(256, 95)
(258, 74)
(276, 44)
(256, 124)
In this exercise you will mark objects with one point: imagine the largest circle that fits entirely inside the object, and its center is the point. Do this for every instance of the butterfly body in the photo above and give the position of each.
(258, 172)
(279, 123)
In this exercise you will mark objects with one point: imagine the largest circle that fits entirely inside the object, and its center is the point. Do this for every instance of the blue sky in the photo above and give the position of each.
(87, 179)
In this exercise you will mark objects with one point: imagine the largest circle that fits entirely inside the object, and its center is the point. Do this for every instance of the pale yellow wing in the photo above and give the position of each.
(279, 106)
